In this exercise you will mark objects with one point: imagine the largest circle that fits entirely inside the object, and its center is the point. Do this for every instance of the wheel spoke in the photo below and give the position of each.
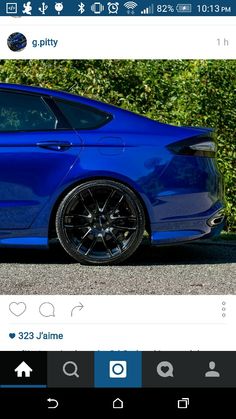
(78, 226)
(95, 239)
(80, 215)
(117, 205)
(85, 206)
(83, 239)
(110, 196)
(117, 241)
(120, 223)
(123, 218)
(123, 228)
(95, 202)
(106, 247)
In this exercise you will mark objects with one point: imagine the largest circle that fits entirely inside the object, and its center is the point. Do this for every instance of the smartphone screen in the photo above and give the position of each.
(117, 207)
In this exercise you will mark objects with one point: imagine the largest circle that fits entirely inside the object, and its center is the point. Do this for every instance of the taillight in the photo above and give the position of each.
(195, 146)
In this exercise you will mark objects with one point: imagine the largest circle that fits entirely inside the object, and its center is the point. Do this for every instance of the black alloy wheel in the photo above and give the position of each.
(100, 222)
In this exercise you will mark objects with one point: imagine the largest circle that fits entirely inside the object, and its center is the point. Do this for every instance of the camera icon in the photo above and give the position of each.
(117, 369)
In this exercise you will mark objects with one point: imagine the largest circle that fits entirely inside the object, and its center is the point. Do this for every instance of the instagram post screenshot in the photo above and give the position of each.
(118, 207)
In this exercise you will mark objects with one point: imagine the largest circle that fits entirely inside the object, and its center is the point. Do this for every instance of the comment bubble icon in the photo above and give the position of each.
(47, 309)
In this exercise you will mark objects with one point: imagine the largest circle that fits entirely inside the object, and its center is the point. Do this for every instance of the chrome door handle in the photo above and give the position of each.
(54, 145)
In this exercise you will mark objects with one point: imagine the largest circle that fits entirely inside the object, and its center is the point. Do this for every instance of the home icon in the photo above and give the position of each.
(118, 404)
(23, 369)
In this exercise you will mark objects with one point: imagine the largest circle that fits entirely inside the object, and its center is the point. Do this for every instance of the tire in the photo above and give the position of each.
(100, 222)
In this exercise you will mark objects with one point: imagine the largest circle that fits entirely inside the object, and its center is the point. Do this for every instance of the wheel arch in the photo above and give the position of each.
(51, 227)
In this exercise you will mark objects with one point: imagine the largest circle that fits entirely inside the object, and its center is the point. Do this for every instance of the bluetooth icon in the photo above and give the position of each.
(81, 8)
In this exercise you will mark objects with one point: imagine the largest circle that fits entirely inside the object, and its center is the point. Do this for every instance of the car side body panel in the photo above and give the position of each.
(179, 193)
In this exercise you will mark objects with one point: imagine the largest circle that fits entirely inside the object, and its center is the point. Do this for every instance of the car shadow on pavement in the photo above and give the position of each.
(208, 253)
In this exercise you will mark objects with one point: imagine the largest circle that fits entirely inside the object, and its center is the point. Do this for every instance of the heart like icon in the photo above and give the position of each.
(17, 308)
(12, 335)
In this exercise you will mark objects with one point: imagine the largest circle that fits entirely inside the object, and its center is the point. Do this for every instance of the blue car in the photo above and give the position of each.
(97, 177)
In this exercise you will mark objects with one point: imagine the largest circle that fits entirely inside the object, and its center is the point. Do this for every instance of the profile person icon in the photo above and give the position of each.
(212, 372)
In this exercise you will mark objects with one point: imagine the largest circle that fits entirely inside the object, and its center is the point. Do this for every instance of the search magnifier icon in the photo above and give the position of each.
(70, 369)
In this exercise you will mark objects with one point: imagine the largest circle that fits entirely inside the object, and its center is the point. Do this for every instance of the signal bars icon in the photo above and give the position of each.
(148, 10)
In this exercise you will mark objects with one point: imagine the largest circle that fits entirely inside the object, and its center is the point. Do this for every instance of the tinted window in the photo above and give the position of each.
(81, 116)
(22, 112)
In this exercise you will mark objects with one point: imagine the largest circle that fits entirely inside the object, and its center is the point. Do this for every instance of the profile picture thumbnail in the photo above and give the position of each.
(16, 41)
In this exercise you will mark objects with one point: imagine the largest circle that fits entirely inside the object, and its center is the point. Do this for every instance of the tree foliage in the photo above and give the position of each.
(181, 92)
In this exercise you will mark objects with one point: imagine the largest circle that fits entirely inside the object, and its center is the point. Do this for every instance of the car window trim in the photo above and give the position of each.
(51, 102)
(108, 116)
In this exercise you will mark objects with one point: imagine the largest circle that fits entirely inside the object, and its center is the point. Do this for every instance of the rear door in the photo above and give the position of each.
(37, 149)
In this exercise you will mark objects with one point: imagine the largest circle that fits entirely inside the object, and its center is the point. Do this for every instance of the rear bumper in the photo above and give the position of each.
(188, 229)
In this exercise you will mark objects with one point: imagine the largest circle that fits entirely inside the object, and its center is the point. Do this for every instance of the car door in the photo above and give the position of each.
(37, 149)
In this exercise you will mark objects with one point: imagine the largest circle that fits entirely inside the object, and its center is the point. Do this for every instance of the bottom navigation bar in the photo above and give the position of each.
(117, 369)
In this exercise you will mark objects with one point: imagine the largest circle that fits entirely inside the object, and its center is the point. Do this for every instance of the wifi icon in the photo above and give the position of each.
(130, 6)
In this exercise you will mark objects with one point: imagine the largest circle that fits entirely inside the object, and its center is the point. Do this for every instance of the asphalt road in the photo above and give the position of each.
(197, 268)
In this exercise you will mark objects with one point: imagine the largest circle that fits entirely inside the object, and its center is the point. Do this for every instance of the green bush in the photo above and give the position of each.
(188, 92)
